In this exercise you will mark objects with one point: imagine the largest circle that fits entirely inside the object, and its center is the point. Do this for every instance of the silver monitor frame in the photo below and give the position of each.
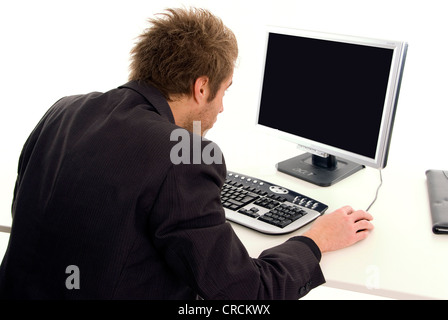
(396, 71)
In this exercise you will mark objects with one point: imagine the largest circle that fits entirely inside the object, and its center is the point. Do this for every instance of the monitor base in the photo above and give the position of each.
(323, 172)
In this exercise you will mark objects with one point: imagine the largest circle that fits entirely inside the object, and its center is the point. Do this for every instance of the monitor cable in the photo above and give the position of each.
(377, 190)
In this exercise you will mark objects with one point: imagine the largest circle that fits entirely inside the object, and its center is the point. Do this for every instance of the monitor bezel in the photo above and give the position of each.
(389, 109)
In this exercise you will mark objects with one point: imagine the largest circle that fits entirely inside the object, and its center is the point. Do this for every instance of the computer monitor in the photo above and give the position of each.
(333, 95)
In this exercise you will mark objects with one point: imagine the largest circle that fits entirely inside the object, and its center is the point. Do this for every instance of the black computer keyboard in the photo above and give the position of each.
(266, 207)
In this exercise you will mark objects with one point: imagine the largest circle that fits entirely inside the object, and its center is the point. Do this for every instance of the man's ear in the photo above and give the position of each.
(201, 89)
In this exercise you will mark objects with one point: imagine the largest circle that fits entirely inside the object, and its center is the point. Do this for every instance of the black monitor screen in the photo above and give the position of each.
(325, 91)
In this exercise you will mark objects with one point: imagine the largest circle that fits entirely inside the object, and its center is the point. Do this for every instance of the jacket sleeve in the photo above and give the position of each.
(188, 227)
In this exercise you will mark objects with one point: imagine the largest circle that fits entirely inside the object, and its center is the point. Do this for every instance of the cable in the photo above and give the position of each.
(377, 190)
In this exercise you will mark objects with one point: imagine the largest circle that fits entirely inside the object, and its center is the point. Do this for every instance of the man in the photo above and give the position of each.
(100, 210)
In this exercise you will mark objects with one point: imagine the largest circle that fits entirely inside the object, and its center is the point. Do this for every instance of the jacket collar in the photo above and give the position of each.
(153, 96)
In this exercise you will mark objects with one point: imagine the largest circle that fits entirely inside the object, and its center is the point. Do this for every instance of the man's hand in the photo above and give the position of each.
(340, 229)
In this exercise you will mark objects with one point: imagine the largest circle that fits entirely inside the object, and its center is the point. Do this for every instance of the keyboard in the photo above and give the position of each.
(266, 207)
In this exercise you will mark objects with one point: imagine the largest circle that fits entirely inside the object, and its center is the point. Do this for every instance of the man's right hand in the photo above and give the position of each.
(340, 229)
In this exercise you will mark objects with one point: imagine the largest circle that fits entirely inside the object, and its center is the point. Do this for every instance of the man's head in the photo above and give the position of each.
(180, 46)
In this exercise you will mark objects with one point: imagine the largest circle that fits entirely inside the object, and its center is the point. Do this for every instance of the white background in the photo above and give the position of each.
(50, 49)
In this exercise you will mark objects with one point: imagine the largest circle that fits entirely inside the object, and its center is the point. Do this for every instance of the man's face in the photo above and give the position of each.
(210, 110)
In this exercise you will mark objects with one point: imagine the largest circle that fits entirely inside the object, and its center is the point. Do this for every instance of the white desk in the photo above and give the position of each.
(401, 259)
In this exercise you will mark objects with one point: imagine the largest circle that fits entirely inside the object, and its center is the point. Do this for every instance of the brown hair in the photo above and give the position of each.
(180, 46)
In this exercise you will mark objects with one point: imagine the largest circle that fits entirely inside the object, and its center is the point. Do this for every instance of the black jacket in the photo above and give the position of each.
(96, 190)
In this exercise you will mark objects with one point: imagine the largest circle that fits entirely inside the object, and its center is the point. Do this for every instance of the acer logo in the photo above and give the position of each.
(303, 172)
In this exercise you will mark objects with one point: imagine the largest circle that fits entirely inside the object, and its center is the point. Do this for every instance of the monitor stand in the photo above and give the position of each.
(318, 170)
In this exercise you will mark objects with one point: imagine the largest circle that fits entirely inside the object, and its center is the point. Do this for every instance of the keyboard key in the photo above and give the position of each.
(249, 213)
(266, 218)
